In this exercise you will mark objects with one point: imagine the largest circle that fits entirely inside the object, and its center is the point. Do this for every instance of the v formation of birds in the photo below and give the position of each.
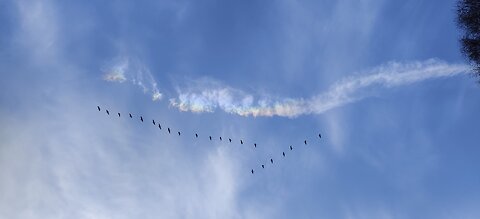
(210, 137)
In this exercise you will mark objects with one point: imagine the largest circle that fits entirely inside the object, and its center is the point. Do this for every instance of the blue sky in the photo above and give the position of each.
(383, 81)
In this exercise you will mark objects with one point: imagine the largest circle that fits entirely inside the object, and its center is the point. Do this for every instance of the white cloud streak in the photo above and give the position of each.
(131, 70)
(209, 96)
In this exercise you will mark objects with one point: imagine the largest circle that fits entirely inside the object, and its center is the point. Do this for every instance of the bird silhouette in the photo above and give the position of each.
(283, 154)
(178, 133)
(153, 120)
(255, 144)
(141, 118)
(291, 148)
(210, 137)
(220, 138)
(305, 142)
(118, 114)
(252, 171)
(230, 140)
(130, 115)
(168, 129)
(159, 126)
(107, 112)
(263, 166)
(98, 107)
(196, 135)
(320, 135)
(271, 160)
(241, 142)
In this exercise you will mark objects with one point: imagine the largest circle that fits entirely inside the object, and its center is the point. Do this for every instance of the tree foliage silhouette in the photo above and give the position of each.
(468, 12)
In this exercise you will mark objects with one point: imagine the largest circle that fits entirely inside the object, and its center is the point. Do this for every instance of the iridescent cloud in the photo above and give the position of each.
(208, 97)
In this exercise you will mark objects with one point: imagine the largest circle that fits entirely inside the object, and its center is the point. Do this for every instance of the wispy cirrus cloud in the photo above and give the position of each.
(129, 69)
(208, 96)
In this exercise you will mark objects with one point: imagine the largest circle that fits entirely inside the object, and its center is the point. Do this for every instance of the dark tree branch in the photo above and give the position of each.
(468, 12)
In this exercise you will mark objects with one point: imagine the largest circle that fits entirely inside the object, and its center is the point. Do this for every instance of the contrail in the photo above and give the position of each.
(393, 74)
(128, 69)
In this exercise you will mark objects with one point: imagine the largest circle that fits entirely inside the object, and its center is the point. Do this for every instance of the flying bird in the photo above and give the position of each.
(320, 135)
(98, 107)
(168, 129)
(255, 144)
(263, 166)
(220, 138)
(130, 115)
(210, 137)
(107, 112)
(153, 120)
(241, 142)
(271, 160)
(141, 118)
(196, 135)
(178, 133)
(291, 148)
(159, 126)
(118, 114)
(283, 154)
(252, 171)
(230, 140)
(305, 142)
